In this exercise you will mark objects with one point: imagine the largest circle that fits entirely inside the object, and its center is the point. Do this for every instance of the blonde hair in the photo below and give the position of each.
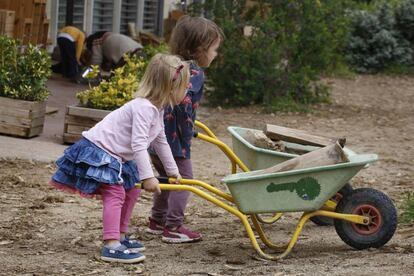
(165, 76)
(192, 36)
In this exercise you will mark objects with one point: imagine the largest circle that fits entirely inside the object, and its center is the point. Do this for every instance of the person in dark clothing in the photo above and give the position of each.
(70, 41)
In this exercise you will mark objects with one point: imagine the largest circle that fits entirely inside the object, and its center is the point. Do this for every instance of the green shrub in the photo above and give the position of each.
(292, 43)
(23, 71)
(404, 16)
(375, 44)
(407, 215)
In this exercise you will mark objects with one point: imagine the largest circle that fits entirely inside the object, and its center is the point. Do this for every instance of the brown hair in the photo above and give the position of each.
(165, 76)
(193, 35)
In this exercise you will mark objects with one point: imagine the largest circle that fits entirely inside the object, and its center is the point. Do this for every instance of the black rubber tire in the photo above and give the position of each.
(368, 197)
(327, 221)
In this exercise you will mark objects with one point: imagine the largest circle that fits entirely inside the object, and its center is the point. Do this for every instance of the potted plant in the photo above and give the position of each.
(23, 93)
(96, 102)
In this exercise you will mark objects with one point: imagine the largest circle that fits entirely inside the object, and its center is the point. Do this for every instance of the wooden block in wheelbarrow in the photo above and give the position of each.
(329, 155)
(297, 136)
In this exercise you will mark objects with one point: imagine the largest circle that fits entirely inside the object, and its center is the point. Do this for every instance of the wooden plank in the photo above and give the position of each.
(80, 121)
(34, 131)
(329, 155)
(2, 22)
(37, 113)
(44, 32)
(14, 112)
(72, 129)
(70, 138)
(23, 130)
(7, 22)
(39, 15)
(275, 132)
(21, 118)
(21, 113)
(18, 121)
(27, 30)
(51, 110)
(87, 112)
(40, 121)
(13, 103)
(5, 4)
(14, 130)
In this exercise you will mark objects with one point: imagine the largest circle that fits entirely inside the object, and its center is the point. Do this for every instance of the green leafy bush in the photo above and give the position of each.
(375, 43)
(291, 44)
(120, 88)
(404, 16)
(407, 215)
(23, 71)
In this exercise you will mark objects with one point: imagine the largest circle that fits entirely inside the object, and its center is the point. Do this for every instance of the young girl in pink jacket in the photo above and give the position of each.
(112, 156)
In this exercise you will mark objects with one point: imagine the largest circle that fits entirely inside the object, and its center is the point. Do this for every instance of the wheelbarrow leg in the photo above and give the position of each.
(244, 218)
(259, 230)
(271, 220)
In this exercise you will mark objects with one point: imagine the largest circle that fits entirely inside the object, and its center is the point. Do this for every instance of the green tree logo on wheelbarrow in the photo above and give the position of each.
(306, 188)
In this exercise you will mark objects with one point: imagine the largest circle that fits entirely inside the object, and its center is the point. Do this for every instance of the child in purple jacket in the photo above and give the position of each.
(196, 39)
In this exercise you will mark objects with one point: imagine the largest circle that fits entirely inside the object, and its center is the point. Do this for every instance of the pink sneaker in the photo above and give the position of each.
(180, 235)
(154, 228)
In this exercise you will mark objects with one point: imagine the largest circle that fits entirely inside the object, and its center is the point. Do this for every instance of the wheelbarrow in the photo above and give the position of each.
(364, 218)
(256, 158)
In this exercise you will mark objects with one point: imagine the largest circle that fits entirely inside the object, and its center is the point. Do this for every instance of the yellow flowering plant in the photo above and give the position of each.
(120, 88)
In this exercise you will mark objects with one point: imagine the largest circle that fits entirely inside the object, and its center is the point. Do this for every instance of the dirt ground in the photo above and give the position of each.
(47, 232)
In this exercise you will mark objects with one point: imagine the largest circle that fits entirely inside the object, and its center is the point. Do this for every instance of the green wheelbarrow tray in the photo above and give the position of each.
(292, 191)
(256, 158)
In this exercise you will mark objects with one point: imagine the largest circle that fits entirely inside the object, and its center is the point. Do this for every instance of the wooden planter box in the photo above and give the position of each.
(79, 119)
(21, 118)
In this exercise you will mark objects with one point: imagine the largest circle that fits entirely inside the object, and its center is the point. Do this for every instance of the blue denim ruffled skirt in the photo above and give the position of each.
(85, 166)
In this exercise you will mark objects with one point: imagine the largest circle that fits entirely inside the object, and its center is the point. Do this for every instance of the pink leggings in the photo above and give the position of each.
(118, 204)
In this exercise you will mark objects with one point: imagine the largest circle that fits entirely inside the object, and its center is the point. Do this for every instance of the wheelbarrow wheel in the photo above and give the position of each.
(378, 207)
(326, 221)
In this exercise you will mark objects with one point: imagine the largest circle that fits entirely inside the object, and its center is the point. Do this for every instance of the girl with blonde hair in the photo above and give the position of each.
(112, 156)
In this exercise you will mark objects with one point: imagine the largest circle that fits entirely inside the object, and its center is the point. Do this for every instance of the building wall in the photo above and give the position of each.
(89, 21)
(170, 5)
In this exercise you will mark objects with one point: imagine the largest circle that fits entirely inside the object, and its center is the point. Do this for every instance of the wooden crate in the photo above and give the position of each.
(39, 17)
(21, 118)
(7, 22)
(79, 119)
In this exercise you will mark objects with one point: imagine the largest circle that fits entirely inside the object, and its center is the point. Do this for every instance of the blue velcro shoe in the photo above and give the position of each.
(133, 245)
(121, 255)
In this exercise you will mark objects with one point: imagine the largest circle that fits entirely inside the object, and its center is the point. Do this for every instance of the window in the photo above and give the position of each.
(78, 10)
(102, 15)
(150, 20)
(129, 13)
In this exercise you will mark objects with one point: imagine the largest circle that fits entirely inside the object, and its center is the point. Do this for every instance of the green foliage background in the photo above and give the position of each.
(292, 43)
(381, 37)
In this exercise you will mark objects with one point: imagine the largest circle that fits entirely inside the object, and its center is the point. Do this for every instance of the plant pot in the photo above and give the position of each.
(79, 119)
(21, 118)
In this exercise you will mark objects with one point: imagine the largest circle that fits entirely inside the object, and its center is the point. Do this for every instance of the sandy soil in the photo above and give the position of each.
(46, 232)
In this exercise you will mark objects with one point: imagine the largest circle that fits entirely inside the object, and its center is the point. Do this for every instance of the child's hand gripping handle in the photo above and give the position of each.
(166, 180)
(151, 185)
(163, 179)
